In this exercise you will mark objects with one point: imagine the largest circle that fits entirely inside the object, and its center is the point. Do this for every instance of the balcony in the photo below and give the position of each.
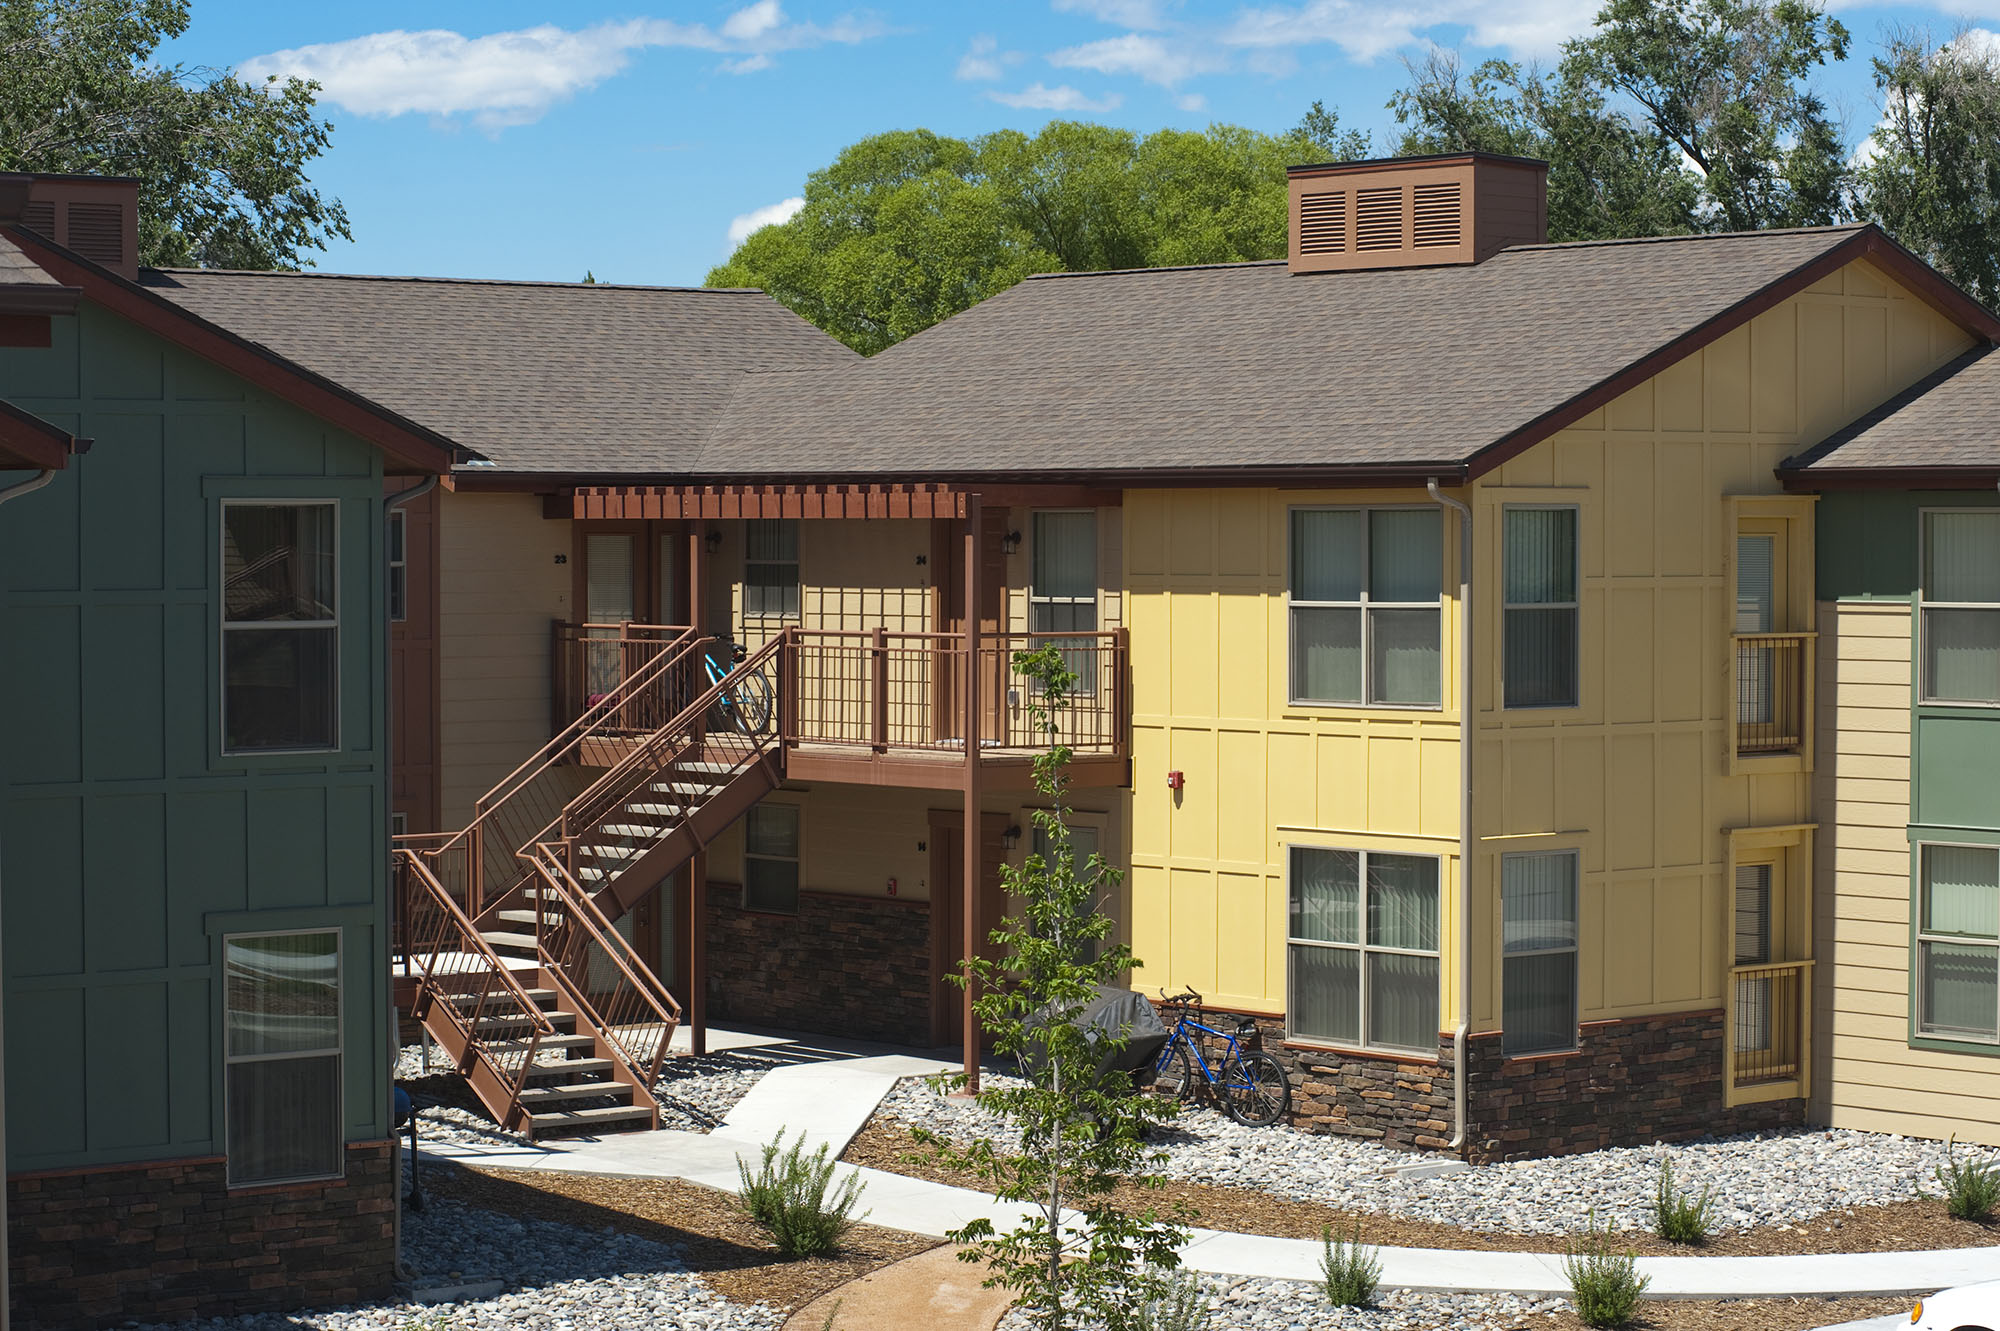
(1768, 1020)
(875, 707)
(1773, 687)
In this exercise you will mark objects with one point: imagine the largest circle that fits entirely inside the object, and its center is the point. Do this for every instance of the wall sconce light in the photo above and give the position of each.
(712, 542)
(1013, 542)
(1011, 837)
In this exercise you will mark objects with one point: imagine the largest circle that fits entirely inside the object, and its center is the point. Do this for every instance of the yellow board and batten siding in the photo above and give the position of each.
(1636, 778)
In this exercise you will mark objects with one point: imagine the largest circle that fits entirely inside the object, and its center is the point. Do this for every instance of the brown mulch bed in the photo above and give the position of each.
(1900, 1227)
(729, 1251)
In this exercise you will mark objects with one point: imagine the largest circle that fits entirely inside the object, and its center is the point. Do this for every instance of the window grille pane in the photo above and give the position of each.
(771, 591)
(772, 829)
(1961, 891)
(283, 993)
(1753, 914)
(1405, 555)
(284, 1120)
(279, 688)
(1326, 555)
(1754, 560)
(1409, 655)
(1962, 655)
(1540, 1002)
(1540, 555)
(398, 535)
(771, 885)
(1962, 556)
(607, 578)
(1326, 654)
(1066, 555)
(1541, 659)
(1326, 895)
(775, 539)
(277, 562)
(1402, 1000)
(1538, 967)
(1326, 994)
(1959, 989)
(1063, 617)
(1082, 845)
(1539, 902)
(1403, 902)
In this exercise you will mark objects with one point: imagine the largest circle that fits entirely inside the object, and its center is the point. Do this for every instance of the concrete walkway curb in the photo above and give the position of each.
(830, 1101)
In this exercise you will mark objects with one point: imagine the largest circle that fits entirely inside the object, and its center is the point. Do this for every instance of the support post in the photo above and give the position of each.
(697, 1004)
(697, 576)
(973, 770)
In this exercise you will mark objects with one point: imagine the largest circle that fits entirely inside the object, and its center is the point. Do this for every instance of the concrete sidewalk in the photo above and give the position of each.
(830, 1098)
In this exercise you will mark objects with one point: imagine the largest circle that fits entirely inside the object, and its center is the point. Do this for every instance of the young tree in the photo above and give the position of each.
(1321, 129)
(1933, 177)
(221, 164)
(1082, 1128)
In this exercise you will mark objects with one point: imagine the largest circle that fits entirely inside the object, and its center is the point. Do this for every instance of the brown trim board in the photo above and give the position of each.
(26, 440)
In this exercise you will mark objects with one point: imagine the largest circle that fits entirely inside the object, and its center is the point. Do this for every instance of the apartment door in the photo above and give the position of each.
(947, 879)
(413, 657)
(947, 673)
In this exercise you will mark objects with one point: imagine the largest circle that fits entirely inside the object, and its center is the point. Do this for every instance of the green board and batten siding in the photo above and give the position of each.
(127, 842)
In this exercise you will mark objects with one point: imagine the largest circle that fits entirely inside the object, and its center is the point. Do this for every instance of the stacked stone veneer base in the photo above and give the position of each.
(1629, 1083)
(169, 1240)
(844, 965)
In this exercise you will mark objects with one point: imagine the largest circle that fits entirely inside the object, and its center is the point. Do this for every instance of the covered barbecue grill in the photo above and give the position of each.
(1116, 1014)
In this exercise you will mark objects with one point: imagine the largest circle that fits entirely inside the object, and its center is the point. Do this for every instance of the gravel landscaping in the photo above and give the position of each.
(1756, 1181)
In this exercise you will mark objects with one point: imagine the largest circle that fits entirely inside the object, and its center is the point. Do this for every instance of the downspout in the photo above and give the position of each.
(28, 486)
(1464, 1027)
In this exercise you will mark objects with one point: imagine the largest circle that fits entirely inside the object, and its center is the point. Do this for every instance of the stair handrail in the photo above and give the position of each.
(578, 909)
(495, 970)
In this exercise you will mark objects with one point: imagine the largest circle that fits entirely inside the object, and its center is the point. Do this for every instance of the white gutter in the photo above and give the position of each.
(1465, 838)
(29, 486)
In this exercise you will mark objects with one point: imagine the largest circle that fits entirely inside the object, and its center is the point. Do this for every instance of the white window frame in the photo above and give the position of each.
(794, 582)
(1366, 605)
(796, 860)
(338, 1053)
(1924, 607)
(224, 627)
(1362, 949)
(1920, 1024)
(399, 566)
(1573, 951)
(1574, 605)
(1084, 663)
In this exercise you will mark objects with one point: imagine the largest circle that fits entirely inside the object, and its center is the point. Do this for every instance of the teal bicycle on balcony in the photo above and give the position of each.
(1246, 1083)
(746, 705)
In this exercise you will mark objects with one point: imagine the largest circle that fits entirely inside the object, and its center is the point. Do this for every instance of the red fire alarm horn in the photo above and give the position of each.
(892, 887)
(1175, 780)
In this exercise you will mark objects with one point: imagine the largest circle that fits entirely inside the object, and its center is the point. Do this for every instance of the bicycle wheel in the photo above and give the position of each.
(751, 704)
(1255, 1091)
(1180, 1072)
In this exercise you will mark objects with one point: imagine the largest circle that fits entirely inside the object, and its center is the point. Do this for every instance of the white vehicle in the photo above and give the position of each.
(1967, 1308)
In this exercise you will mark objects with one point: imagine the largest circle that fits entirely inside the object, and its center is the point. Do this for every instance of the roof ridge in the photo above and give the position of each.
(1842, 228)
(1164, 268)
(447, 281)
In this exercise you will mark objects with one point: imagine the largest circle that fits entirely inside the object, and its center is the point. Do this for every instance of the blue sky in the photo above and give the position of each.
(537, 140)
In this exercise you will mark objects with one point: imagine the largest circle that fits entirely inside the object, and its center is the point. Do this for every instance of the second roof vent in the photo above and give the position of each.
(1407, 212)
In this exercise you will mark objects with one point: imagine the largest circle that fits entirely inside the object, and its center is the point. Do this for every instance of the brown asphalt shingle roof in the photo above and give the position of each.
(1246, 366)
(537, 377)
(1950, 420)
(17, 269)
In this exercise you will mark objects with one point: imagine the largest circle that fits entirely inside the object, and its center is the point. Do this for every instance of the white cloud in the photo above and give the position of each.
(1192, 101)
(1141, 14)
(1364, 31)
(757, 219)
(984, 61)
(1976, 44)
(1035, 97)
(513, 78)
(1161, 60)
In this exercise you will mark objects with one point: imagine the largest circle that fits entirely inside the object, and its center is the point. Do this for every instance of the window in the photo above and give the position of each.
(280, 627)
(771, 859)
(399, 572)
(1083, 844)
(1367, 591)
(771, 569)
(1958, 943)
(1364, 948)
(1753, 948)
(281, 1030)
(1961, 607)
(1755, 588)
(1539, 591)
(399, 824)
(1062, 594)
(1538, 952)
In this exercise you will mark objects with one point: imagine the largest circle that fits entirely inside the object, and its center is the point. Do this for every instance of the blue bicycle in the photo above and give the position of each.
(1247, 1084)
(746, 705)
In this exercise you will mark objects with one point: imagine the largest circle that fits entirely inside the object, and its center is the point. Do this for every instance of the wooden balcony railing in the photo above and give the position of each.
(1768, 1023)
(1773, 701)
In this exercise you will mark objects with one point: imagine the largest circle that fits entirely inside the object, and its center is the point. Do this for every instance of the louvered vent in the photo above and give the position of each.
(1378, 219)
(97, 232)
(1323, 224)
(1437, 215)
(40, 218)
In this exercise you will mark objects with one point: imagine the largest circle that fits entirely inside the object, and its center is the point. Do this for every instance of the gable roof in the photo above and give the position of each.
(26, 288)
(1245, 372)
(28, 441)
(1942, 431)
(539, 377)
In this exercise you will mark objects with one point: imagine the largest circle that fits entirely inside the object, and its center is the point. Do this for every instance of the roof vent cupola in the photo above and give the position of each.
(94, 217)
(1412, 212)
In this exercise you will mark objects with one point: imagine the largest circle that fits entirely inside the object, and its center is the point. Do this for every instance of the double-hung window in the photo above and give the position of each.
(771, 569)
(1364, 948)
(1540, 607)
(1083, 844)
(280, 626)
(1538, 952)
(1367, 590)
(1062, 593)
(399, 565)
(1961, 606)
(1958, 943)
(281, 1033)
(771, 859)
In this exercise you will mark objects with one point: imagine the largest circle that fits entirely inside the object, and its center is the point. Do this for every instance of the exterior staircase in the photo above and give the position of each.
(509, 926)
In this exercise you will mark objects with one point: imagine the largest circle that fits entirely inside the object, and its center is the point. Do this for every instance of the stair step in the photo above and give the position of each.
(572, 1067)
(486, 1025)
(540, 997)
(690, 790)
(501, 938)
(642, 831)
(549, 1043)
(526, 917)
(665, 812)
(588, 1118)
(582, 1090)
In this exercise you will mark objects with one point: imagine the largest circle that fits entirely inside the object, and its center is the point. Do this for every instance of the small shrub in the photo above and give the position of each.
(1678, 1215)
(788, 1197)
(1971, 1187)
(1350, 1270)
(1174, 1300)
(1604, 1285)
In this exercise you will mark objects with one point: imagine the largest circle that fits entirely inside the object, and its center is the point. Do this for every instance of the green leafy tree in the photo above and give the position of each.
(1320, 128)
(1933, 177)
(221, 163)
(1076, 1256)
